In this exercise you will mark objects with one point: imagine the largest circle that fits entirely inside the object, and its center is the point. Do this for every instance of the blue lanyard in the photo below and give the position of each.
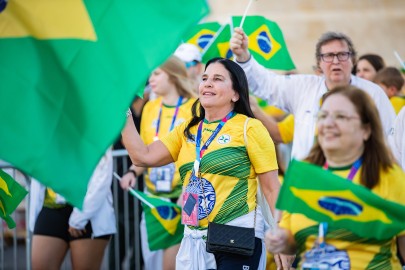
(176, 111)
(323, 226)
(200, 150)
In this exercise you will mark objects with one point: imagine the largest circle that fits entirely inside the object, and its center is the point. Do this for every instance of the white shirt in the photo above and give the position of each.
(97, 205)
(397, 138)
(301, 95)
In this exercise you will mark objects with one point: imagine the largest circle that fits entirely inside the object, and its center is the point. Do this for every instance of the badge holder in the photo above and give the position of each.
(189, 213)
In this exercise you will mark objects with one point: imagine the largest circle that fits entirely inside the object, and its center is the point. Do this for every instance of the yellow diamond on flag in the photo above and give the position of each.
(47, 19)
(202, 37)
(169, 223)
(4, 186)
(339, 200)
(224, 50)
(262, 42)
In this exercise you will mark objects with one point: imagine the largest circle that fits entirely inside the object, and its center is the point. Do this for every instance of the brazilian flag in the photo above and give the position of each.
(219, 45)
(11, 195)
(163, 221)
(202, 34)
(69, 70)
(266, 42)
(325, 197)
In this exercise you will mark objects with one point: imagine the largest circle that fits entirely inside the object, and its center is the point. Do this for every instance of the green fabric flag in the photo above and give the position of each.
(202, 34)
(266, 42)
(163, 221)
(325, 197)
(219, 45)
(69, 69)
(11, 195)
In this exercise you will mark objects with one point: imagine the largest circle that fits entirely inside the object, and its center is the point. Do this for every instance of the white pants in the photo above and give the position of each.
(193, 255)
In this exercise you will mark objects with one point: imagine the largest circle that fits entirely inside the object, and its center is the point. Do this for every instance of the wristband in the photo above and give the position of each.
(250, 57)
(133, 172)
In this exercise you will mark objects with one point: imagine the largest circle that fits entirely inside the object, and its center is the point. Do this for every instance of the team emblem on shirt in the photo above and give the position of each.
(224, 139)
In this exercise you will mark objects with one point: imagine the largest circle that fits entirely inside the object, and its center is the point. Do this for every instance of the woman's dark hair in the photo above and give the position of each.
(376, 155)
(374, 59)
(239, 85)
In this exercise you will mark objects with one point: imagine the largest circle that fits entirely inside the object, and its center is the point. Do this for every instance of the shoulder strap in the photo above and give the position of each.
(244, 132)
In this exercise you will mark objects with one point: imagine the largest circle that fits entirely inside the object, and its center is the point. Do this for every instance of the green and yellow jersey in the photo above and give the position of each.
(228, 168)
(148, 130)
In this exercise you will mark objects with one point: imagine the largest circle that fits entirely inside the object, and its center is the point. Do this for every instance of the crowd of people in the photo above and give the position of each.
(206, 145)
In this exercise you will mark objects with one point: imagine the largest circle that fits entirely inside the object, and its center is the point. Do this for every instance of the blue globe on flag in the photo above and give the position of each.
(167, 212)
(263, 40)
(203, 40)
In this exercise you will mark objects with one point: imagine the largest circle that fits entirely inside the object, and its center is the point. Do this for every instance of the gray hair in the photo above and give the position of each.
(331, 36)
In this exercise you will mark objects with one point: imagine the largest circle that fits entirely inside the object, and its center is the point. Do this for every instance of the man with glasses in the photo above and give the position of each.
(301, 94)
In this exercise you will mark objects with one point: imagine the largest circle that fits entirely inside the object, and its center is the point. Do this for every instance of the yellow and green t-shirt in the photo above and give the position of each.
(148, 129)
(360, 253)
(228, 168)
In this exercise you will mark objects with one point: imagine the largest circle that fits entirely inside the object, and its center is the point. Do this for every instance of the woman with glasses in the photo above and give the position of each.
(301, 94)
(350, 143)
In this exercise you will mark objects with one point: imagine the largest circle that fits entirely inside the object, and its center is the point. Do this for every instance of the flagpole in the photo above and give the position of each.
(133, 192)
(399, 59)
(244, 15)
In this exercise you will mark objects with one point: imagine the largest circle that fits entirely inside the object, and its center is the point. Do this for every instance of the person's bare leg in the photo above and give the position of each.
(169, 257)
(87, 253)
(47, 252)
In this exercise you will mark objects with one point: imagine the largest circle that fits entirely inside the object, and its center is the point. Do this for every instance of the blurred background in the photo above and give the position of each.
(375, 26)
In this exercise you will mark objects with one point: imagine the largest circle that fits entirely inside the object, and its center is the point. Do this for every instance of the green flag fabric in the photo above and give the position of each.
(219, 45)
(266, 42)
(69, 69)
(325, 197)
(202, 34)
(11, 195)
(163, 221)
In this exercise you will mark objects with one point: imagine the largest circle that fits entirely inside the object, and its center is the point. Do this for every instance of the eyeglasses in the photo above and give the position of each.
(338, 117)
(341, 56)
(191, 63)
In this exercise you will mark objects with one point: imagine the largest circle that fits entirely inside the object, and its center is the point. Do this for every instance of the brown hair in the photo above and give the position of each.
(376, 154)
(331, 36)
(177, 72)
(390, 76)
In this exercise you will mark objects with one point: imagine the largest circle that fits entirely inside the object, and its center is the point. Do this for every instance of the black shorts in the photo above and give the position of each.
(233, 261)
(55, 222)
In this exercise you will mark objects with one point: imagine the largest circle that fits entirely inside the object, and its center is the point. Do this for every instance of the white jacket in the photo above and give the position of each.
(97, 205)
(397, 139)
(301, 95)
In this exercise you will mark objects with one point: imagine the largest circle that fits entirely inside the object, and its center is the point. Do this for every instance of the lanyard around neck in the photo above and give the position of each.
(200, 150)
(353, 170)
(176, 111)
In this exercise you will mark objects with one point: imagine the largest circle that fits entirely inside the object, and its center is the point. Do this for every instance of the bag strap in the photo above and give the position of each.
(202, 186)
(246, 144)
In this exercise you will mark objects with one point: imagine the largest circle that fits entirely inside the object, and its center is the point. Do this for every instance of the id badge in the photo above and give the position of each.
(189, 213)
(162, 177)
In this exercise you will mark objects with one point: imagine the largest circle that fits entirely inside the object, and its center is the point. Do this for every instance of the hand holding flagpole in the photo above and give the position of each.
(132, 191)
